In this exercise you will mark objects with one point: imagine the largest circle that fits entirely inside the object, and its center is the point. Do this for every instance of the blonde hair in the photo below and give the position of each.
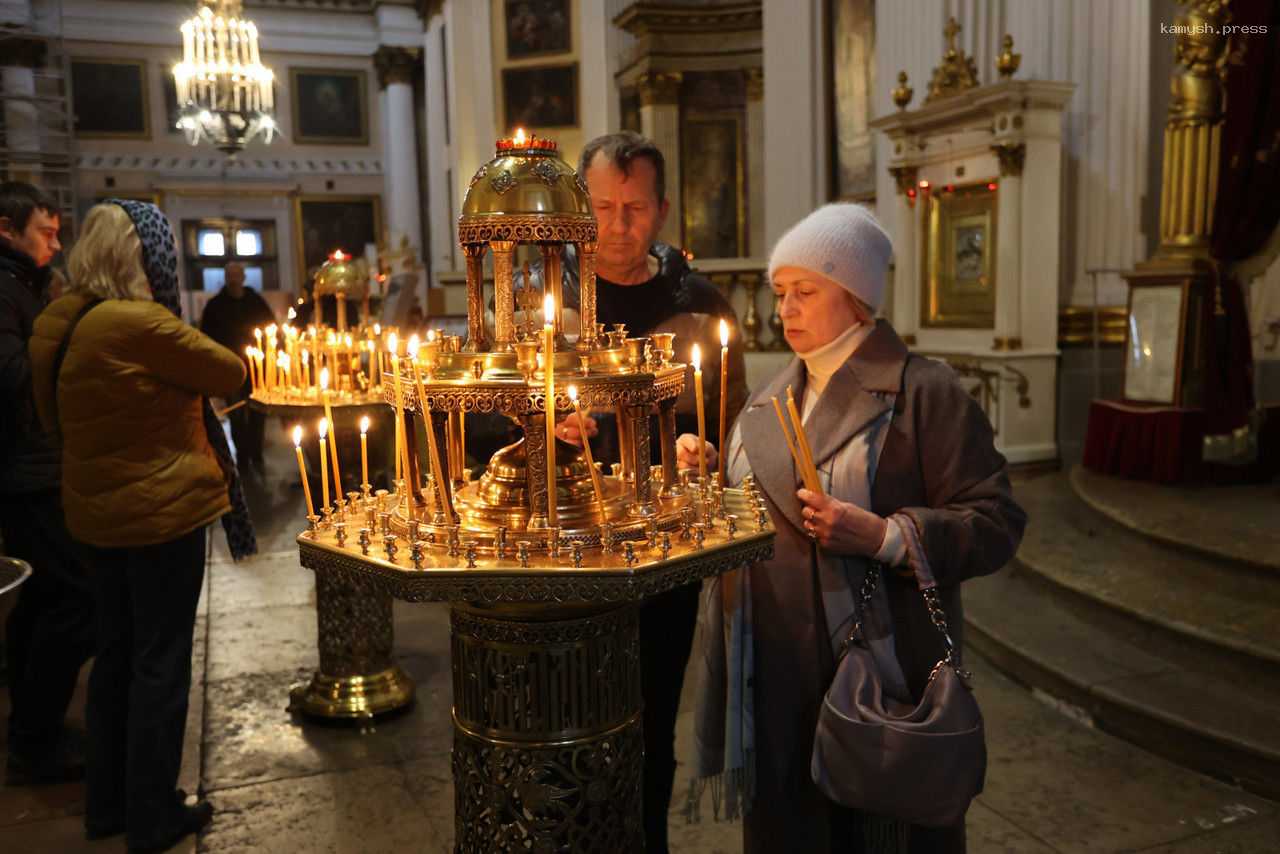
(106, 261)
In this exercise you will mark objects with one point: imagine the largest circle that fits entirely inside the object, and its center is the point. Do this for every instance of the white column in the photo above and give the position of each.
(795, 129)
(598, 60)
(1009, 261)
(396, 66)
(906, 274)
(22, 126)
(660, 122)
(473, 123)
(441, 207)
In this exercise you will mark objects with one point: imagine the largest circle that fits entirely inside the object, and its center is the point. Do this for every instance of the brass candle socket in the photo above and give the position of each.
(522, 553)
(553, 542)
(389, 544)
(500, 542)
(664, 344)
(636, 352)
(577, 555)
(416, 553)
(527, 358)
(364, 540)
(606, 538)
(731, 525)
(313, 522)
(384, 523)
(340, 533)
(469, 552)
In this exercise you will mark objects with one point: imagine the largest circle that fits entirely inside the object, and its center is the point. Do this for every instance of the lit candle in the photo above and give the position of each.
(392, 349)
(724, 391)
(696, 359)
(364, 451)
(333, 442)
(253, 375)
(324, 464)
(306, 368)
(285, 371)
(586, 447)
(375, 363)
(549, 348)
(302, 469)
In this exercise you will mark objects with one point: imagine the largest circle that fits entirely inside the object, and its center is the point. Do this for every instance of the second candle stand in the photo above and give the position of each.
(544, 562)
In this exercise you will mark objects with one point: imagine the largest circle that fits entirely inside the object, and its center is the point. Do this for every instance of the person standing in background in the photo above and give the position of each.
(49, 635)
(230, 318)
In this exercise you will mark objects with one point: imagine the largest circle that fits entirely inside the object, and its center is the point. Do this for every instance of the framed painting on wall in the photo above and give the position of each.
(711, 187)
(324, 223)
(109, 98)
(542, 97)
(330, 106)
(538, 27)
(958, 258)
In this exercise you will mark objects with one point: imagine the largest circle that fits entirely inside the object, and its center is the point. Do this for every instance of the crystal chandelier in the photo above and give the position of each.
(224, 90)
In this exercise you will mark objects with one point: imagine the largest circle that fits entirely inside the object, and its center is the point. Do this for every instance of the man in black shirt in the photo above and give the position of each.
(230, 318)
(648, 286)
(50, 632)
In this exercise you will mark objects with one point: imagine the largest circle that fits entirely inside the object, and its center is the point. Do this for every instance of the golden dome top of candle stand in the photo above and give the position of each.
(342, 275)
(527, 193)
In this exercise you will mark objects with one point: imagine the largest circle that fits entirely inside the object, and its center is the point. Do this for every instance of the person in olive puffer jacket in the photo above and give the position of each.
(142, 478)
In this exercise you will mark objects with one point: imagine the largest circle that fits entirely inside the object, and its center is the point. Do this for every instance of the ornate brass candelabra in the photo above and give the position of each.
(543, 561)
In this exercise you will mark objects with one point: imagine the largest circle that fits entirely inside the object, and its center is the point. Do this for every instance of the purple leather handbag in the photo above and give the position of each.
(920, 764)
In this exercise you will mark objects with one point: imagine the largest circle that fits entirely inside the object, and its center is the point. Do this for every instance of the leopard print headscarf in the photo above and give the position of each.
(160, 262)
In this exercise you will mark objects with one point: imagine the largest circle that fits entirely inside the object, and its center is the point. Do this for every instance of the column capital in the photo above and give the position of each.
(904, 177)
(755, 83)
(24, 53)
(396, 64)
(428, 9)
(659, 87)
(1012, 156)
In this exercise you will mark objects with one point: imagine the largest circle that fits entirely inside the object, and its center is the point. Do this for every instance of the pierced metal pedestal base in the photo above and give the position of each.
(357, 678)
(548, 748)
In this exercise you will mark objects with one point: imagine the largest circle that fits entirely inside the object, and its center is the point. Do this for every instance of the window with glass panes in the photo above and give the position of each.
(211, 244)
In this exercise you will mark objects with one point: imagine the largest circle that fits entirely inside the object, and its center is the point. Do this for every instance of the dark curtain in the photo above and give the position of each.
(1247, 208)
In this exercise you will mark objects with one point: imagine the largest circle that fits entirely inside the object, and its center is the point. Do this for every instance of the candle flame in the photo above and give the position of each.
(393, 344)
(573, 393)
(431, 335)
(724, 333)
(248, 351)
(412, 347)
(348, 341)
(271, 331)
(257, 333)
(548, 309)
(292, 314)
(324, 427)
(364, 425)
(324, 379)
(306, 356)
(337, 255)
(519, 138)
(377, 329)
(284, 361)
(297, 435)
(696, 357)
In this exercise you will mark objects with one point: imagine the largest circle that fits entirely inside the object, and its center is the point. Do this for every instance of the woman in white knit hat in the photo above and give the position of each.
(911, 479)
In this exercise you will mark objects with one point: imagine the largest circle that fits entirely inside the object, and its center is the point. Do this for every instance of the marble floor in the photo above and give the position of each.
(280, 784)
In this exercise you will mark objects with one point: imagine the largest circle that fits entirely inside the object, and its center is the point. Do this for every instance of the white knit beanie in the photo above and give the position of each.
(843, 242)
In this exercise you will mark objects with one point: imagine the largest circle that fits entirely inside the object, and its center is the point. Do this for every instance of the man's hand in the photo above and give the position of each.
(568, 429)
(687, 453)
(840, 527)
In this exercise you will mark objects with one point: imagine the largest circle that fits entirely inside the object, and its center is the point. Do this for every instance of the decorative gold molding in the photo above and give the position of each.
(1012, 157)
(396, 64)
(956, 73)
(1075, 325)
(642, 19)
(904, 177)
(659, 87)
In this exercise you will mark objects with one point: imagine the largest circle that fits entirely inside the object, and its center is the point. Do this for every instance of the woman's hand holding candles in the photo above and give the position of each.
(571, 429)
(841, 527)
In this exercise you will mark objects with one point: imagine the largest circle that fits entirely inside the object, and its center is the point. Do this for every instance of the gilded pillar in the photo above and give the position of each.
(587, 293)
(504, 308)
(476, 339)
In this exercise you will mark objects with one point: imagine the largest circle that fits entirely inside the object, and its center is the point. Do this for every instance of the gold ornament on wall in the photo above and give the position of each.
(1007, 62)
(902, 93)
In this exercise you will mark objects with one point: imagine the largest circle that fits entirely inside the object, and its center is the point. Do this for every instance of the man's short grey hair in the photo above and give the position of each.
(622, 149)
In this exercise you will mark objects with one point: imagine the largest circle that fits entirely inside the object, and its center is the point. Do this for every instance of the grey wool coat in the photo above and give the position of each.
(938, 467)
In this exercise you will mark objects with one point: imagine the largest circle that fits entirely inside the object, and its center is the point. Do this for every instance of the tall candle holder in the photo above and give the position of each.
(588, 546)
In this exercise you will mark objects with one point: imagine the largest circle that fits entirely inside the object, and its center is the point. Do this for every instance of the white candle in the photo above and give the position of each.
(696, 359)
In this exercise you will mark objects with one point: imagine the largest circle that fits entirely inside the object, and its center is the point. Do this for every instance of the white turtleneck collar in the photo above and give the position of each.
(822, 362)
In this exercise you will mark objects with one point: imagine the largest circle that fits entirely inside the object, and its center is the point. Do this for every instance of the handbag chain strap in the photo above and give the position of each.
(937, 616)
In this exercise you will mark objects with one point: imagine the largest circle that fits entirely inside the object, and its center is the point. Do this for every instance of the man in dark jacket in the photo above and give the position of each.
(649, 286)
(230, 318)
(49, 635)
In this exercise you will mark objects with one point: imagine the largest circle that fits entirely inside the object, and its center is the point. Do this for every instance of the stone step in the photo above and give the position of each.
(1222, 613)
(1238, 524)
(1121, 677)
